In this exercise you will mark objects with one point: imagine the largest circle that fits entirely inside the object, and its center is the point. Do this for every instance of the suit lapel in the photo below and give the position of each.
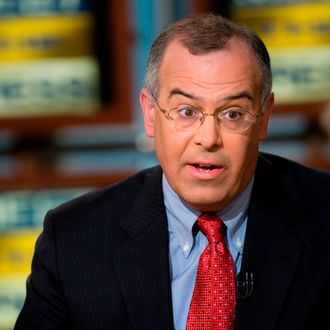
(142, 261)
(271, 252)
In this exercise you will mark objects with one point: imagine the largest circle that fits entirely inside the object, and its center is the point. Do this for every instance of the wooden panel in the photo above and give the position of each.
(50, 179)
(116, 39)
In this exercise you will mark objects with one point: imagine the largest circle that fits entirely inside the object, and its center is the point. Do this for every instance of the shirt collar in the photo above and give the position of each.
(181, 218)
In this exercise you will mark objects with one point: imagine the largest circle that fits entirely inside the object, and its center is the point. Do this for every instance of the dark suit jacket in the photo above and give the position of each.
(102, 259)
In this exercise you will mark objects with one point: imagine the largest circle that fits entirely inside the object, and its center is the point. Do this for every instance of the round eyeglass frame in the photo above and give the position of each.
(167, 114)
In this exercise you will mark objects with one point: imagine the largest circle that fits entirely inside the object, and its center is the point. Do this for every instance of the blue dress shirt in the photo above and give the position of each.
(185, 249)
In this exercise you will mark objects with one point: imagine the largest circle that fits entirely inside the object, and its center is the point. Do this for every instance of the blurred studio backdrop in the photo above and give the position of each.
(70, 75)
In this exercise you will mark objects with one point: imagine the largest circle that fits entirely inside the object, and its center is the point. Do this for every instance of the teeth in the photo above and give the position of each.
(205, 167)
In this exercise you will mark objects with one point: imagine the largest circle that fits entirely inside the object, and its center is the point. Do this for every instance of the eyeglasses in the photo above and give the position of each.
(188, 118)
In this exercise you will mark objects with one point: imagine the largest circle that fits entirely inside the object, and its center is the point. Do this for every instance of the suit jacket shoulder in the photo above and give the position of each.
(116, 196)
(306, 188)
(287, 247)
(101, 261)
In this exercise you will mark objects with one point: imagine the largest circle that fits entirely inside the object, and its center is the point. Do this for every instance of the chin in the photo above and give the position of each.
(206, 204)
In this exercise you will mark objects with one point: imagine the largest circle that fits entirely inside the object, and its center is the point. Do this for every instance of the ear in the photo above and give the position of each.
(269, 106)
(148, 110)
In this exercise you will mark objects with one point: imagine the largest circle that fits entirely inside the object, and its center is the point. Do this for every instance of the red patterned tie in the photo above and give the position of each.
(214, 298)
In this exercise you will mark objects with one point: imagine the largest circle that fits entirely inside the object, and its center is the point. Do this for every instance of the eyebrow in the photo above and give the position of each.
(239, 95)
(178, 91)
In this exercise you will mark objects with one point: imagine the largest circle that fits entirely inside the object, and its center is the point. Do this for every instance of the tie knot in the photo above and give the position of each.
(211, 226)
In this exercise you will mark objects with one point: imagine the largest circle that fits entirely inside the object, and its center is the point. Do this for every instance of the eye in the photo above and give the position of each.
(233, 115)
(188, 112)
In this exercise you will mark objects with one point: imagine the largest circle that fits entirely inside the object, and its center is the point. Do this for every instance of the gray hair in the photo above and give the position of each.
(202, 34)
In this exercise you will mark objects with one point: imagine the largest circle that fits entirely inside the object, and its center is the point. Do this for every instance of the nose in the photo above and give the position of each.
(208, 135)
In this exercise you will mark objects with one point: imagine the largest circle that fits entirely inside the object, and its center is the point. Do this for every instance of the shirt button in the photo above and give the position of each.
(239, 243)
(185, 247)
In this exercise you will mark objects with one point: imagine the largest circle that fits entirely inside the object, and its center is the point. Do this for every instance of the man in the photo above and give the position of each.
(127, 256)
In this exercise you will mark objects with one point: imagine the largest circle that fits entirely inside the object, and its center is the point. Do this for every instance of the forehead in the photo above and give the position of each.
(229, 70)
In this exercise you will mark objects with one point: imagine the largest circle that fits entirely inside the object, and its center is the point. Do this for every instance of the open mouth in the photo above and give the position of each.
(205, 168)
(203, 171)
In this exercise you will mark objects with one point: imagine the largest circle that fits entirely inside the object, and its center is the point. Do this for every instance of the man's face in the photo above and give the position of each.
(209, 166)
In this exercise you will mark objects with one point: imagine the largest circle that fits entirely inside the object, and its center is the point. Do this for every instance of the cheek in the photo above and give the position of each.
(169, 145)
(172, 149)
(242, 151)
